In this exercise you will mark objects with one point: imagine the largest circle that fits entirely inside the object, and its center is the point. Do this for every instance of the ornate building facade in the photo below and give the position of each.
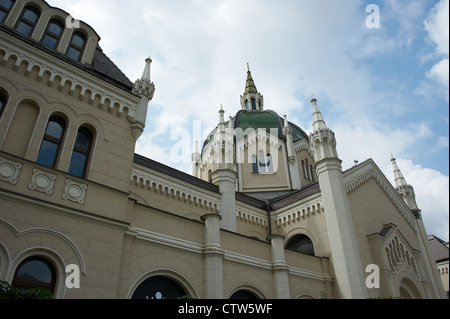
(267, 213)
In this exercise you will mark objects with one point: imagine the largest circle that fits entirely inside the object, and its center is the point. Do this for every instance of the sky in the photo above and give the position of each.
(379, 71)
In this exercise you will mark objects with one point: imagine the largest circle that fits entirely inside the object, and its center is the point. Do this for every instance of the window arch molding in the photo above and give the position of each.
(249, 288)
(301, 231)
(74, 49)
(51, 37)
(302, 244)
(53, 257)
(4, 101)
(24, 24)
(19, 109)
(168, 273)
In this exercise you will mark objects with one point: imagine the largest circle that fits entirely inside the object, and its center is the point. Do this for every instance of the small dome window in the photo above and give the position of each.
(253, 104)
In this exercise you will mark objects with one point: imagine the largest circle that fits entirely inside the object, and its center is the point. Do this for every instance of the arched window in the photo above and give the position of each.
(5, 8)
(80, 153)
(28, 20)
(243, 294)
(35, 272)
(52, 34)
(76, 46)
(253, 104)
(301, 244)
(51, 143)
(262, 162)
(247, 105)
(3, 101)
(254, 164)
(269, 163)
(158, 287)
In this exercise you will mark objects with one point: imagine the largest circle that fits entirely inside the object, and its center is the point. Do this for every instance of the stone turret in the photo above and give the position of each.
(224, 173)
(145, 89)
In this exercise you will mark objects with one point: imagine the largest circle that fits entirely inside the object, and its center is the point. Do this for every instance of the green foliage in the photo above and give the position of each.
(7, 291)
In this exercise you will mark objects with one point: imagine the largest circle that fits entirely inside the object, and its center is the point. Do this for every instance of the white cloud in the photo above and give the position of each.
(437, 26)
(440, 72)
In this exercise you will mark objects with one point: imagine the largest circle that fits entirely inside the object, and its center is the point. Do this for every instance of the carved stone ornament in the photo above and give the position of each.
(9, 170)
(42, 181)
(74, 191)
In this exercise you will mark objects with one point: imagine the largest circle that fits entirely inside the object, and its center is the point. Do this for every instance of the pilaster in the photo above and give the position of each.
(213, 257)
(225, 178)
(279, 267)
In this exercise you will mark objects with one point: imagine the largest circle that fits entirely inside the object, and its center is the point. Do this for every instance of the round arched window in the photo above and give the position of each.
(301, 244)
(243, 294)
(35, 272)
(158, 287)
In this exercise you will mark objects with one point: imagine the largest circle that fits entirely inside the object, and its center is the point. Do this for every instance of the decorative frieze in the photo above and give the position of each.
(9, 170)
(42, 181)
(75, 191)
(299, 212)
(174, 189)
(252, 217)
(21, 56)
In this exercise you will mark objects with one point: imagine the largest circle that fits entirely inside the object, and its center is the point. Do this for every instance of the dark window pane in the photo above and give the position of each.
(47, 153)
(24, 28)
(35, 270)
(301, 244)
(54, 129)
(6, 4)
(83, 139)
(2, 104)
(78, 40)
(2, 15)
(253, 104)
(30, 15)
(55, 28)
(78, 163)
(73, 53)
(49, 41)
(254, 164)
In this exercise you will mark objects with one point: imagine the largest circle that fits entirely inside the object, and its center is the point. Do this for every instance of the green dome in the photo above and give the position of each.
(260, 120)
(267, 119)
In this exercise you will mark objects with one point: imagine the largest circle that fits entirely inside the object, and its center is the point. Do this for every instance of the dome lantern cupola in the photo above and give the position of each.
(251, 100)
